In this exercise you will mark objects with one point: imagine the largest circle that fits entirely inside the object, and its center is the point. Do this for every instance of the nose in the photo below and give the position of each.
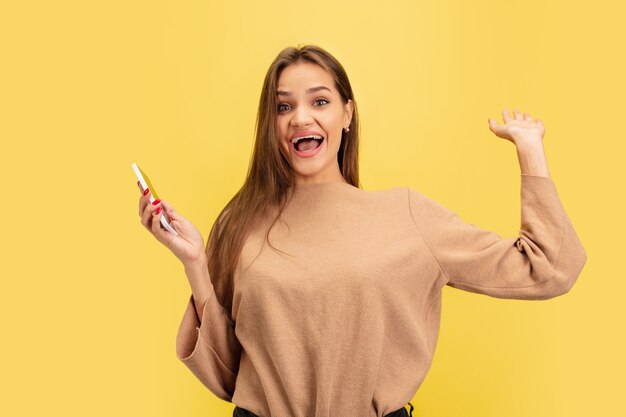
(301, 117)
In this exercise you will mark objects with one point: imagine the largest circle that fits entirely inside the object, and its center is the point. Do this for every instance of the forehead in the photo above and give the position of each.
(298, 77)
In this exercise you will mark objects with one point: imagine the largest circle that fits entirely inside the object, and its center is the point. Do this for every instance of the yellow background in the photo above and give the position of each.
(91, 302)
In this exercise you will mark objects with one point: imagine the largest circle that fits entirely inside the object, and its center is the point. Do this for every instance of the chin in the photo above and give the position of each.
(311, 171)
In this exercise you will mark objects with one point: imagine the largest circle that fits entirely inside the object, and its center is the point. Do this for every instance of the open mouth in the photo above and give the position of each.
(307, 144)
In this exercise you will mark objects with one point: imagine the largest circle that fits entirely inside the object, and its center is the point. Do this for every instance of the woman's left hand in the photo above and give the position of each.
(521, 129)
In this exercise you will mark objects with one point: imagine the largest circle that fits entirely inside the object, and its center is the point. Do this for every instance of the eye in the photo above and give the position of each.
(280, 106)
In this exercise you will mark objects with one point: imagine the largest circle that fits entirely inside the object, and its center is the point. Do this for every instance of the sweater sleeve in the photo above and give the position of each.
(542, 262)
(209, 347)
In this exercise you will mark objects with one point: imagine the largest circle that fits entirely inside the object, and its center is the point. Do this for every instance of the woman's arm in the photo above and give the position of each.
(543, 261)
(206, 342)
(532, 159)
(200, 283)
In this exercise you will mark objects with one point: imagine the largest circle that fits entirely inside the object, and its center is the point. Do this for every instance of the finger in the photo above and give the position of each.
(143, 201)
(506, 116)
(140, 186)
(498, 130)
(146, 216)
(157, 227)
(169, 210)
(517, 115)
(527, 117)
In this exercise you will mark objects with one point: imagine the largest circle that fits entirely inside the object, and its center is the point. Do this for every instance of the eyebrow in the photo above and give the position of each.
(309, 91)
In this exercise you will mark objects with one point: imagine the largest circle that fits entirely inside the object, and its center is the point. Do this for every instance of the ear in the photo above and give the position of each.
(349, 109)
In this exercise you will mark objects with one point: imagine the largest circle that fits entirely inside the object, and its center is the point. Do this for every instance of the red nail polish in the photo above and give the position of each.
(158, 210)
(155, 202)
(146, 191)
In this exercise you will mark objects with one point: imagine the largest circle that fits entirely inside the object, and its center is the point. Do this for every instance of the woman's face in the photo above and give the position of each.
(308, 104)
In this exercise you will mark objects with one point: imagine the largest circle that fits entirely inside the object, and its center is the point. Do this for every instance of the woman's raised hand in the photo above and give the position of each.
(519, 128)
(188, 246)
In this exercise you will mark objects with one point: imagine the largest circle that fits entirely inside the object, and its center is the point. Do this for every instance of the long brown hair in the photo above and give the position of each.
(269, 174)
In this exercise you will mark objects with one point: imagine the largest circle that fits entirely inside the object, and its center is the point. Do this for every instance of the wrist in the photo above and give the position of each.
(532, 158)
(196, 265)
(529, 146)
(199, 279)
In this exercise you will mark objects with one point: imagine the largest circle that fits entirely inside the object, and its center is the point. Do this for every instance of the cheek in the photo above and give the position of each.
(335, 143)
(335, 126)
(281, 130)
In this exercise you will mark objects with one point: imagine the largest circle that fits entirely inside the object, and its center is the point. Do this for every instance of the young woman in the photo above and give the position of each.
(338, 315)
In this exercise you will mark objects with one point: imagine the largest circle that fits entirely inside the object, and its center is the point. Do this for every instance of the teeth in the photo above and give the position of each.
(295, 140)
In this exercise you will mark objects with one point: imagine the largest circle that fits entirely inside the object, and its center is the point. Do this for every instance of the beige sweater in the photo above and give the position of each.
(345, 323)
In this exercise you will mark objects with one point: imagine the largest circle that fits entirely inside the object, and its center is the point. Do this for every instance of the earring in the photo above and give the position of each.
(347, 129)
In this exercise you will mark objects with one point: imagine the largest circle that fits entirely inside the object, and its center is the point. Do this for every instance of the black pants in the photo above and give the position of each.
(242, 412)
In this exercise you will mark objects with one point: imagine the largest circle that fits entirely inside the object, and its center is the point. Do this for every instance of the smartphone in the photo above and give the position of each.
(144, 181)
